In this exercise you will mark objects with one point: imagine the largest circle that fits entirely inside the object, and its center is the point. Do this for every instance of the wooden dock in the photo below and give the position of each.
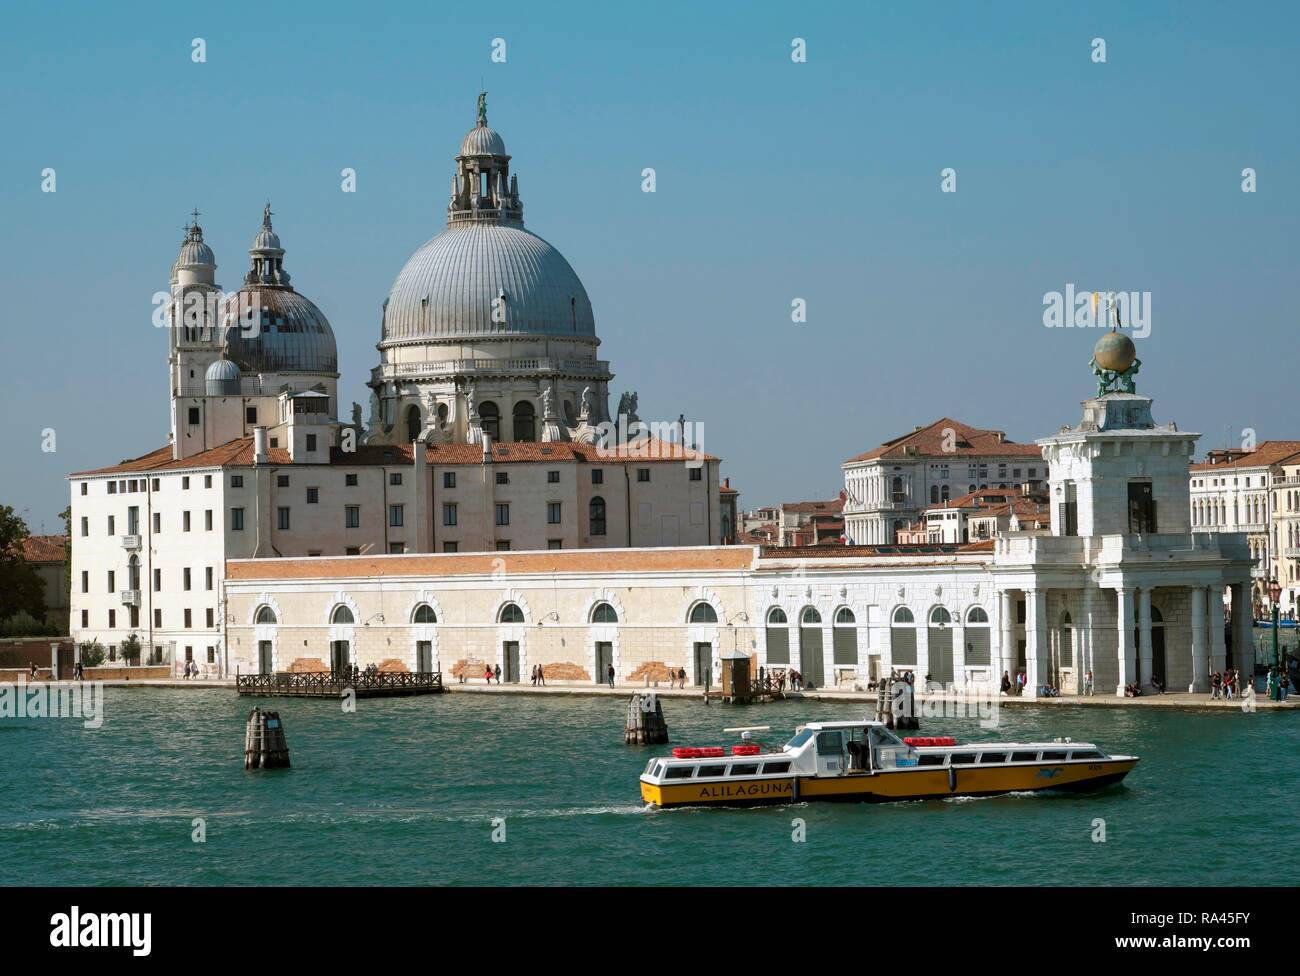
(330, 684)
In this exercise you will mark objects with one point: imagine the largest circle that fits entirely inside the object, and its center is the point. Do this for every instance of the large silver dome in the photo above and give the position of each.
(449, 285)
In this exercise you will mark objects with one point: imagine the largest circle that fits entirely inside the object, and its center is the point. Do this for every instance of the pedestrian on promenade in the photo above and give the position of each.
(487, 673)
(541, 676)
(681, 676)
(1229, 681)
(1087, 683)
(32, 672)
(532, 676)
(1216, 682)
(1006, 683)
(609, 675)
(498, 674)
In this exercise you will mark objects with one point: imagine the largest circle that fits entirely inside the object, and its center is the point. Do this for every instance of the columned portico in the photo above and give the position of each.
(1218, 648)
(1006, 635)
(1200, 661)
(1127, 662)
(1144, 637)
(1243, 640)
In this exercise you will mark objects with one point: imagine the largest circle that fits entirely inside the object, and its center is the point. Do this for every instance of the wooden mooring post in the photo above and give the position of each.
(645, 720)
(264, 743)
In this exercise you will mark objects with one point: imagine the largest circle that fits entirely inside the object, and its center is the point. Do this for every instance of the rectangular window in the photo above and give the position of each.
(552, 477)
(313, 496)
(212, 654)
(503, 514)
(642, 474)
(395, 515)
(207, 520)
(112, 525)
(395, 477)
(85, 526)
(396, 547)
(112, 580)
(194, 416)
(185, 574)
(236, 481)
(451, 547)
(282, 481)
(189, 622)
(250, 415)
(207, 578)
(554, 543)
(135, 616)
(237, 519)
(503, 477)
(697, 474)
(209, 616)
(207, 481)
(85, 581)
(448, 514)
(157, 522)
(157, 617)
(311, 442)
(112, 487)
(185, 521)
(597, 476)
(157, 580)
(352, 517)
(112, 619)
(503, 545)
(282, 519)
(1141, 508)
(185, 483)
(553, 513)
(85, 618)
(84, 486)
(449, 479)
(349, 481)
(352, 551)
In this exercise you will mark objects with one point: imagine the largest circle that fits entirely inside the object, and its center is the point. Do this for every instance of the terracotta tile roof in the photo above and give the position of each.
(44, 548)
(830, 507)
(486, 563)
(969, 442)
(239, 453)
(1265, 454)
(899, 550)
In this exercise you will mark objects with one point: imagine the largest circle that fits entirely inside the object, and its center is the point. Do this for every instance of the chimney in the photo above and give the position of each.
(260, 454)
(487, 448)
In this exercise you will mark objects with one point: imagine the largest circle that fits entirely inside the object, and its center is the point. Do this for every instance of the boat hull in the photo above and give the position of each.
(892, 786)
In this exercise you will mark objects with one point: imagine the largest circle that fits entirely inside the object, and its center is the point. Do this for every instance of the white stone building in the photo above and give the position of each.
(888, 487)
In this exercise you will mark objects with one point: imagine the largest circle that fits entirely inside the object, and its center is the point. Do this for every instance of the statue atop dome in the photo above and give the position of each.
(482, 108)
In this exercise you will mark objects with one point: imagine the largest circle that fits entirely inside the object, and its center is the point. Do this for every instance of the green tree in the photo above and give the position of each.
(92, 653)
(131, 649)
(66, 515)
(21, 586)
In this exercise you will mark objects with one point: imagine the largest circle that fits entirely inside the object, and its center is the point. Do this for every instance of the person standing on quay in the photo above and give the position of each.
(541, 675)
(1005, 687)
(609, 674)
(1216, 681)
(498, 674)
(487, 673)
(1087, 683)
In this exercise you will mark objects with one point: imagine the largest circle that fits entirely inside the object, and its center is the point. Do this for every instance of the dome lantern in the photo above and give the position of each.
(478, 191)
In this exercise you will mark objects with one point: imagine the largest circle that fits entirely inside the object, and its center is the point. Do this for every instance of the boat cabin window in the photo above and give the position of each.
(712, 771)
(931, 759)
(679, 772)
(993, 757)
(650, 767)
(744, 769)
(800, 738)
(1086, 754)
(960, 758)
(1024, 757)
(777, 767)
(830, 742)
(659, 768)
(883, 737)
(1053, 757)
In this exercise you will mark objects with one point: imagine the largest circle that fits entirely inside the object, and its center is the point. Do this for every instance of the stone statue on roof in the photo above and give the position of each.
(482, 108)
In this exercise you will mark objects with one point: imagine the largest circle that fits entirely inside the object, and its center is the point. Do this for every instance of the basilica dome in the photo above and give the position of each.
(485, 275)
(267, 327)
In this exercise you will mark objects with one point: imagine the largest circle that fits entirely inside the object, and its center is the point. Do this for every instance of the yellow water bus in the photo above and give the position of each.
(866, 762)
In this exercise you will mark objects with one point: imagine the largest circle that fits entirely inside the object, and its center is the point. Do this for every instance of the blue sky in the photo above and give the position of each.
(776, 180)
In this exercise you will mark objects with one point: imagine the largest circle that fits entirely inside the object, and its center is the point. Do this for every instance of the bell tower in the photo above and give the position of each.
(194, 337)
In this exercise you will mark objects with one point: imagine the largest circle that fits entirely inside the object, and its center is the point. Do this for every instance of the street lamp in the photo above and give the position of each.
(1274, 595)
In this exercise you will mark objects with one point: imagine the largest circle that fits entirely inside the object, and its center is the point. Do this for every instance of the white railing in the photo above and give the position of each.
(444, 367)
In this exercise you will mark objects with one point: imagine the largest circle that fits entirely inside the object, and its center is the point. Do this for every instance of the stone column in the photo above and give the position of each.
(1006, 636)
(959, 653)
(922, 649)
(1144, 637)
(1036, 649)
(1127, 664)
(1087, 639)
(1200, 673)
(1243, 635)
(1218, 648)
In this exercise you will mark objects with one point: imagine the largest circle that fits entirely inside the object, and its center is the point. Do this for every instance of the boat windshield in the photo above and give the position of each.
(800, 738)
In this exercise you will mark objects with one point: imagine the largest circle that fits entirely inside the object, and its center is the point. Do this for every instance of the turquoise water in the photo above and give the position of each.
(404, 791)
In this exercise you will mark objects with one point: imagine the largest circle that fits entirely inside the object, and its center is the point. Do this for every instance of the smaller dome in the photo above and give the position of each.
(266, 240)
(194, 251)
(1114, 351)
(222, 378)
(483, 141)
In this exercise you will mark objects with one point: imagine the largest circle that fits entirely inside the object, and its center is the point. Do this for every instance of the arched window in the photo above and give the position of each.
(844, 618)
(902, 639)
(776, 618)
(423, 615)
(265, 615)
(810, 616)
(897, 490)
(442, 415)
(511, 614)
(342, 615)
(939, 617)
(603, 613)
(977, 616)
(489, 415)
(944, 494)
(413, 425)
(596, 516)
(525, 421)
(703, 613)
(934, 494)
(133, 573)
(778, 637)
(903, 616)
(844, 638)
(979, 637)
